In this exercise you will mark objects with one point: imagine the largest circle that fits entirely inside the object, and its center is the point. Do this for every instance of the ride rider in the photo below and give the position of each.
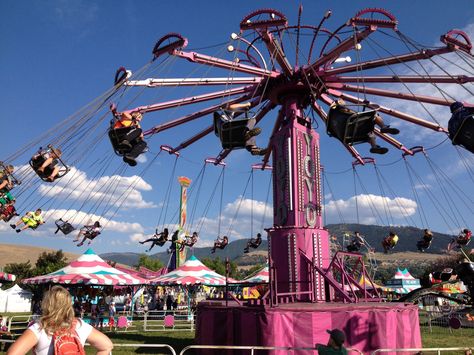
(356, 242)
(251, 130)
(389, 242)
(459, 114)
(45, 164)
(189, 241)
(89, 232)
(341, 107)
(127, 128)
(8, 211)
(253, 243)
(426, 241)
(157, 239)
(220, 243)
(31, 220)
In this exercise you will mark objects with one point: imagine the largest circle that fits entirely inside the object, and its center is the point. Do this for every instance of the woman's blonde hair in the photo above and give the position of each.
(57, 310)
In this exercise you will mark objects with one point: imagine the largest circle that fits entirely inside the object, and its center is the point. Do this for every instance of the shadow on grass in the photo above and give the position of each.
(177, 340)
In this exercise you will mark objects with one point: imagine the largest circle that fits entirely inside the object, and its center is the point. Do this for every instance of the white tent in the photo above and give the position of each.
(17, 300)
(3, 300)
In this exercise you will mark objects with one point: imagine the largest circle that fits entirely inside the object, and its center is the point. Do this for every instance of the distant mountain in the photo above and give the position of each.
(234, 251)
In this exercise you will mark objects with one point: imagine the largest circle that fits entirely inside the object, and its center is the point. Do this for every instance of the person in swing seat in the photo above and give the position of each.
(8, 211)
(253, 243)
(459, 114)
(157, 239)
(132, 142)
(31, 220)
(89, 232)
(462, 239)
(251, 130)
(356, 242)
(389, 242)
(220, 243)
(189, 241)
(425, 242)
(46, 163)
(6, 183)
(341, 107)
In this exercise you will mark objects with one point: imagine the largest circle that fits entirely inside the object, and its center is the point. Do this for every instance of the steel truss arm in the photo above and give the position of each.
(390, 93)
(277, 52)
(193, 116)
(226, 64)
(438, 79)
(209, 129)
(193, 99)
(422, 54)
(340, 48)
(391, 112)
(193, 81)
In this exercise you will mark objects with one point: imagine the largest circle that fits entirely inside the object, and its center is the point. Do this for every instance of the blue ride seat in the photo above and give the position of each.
(465, 134)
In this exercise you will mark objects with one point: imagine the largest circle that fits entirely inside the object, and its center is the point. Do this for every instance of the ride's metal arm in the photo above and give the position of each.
(370, 64)
(391, 112)
(438, 79)
(276, 127)
(193, 116)
(392, 141)
(340, 48)
(266, 108)
(193, 99)
(390, 93)
(226, 64)
(320, 112)
(209, 129)
(277, 52)
(151, 83)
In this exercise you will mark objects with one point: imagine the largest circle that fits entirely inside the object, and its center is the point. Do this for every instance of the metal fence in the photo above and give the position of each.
(424, 351)
(251, 349)
(156, 321)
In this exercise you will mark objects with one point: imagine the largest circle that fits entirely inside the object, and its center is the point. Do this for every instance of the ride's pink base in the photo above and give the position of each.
(368, 326)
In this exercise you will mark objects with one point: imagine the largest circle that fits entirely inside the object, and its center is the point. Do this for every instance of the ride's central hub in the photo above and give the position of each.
(284, 86)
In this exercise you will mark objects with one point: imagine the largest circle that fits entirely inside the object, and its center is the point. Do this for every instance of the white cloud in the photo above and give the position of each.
(112, 190)
(398, 207)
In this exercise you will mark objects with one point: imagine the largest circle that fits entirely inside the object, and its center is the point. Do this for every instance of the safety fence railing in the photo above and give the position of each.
(180, 320)
(442, 321)
(439, 351)
(17, 324)
(217, 349)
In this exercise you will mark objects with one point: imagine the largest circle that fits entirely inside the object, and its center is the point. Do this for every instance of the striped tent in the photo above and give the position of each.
(263, 276)
(402, 282)
(89, 269)
(192, 272)
(7, 277)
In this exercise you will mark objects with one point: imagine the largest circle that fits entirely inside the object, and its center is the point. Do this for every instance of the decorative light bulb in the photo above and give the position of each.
(230, 48)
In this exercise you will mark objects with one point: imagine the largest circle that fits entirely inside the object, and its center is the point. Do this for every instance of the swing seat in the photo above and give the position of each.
(230, 131)
(116, 136)
(37, 161)
(64, 226)
(465, 134)
(350, 127)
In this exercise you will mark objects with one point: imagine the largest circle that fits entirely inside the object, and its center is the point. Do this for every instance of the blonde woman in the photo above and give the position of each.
(58, 316)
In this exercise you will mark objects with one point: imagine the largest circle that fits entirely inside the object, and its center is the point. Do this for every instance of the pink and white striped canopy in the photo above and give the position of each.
(7, 277)
(263, 276)
(89, 269)
(192, 272)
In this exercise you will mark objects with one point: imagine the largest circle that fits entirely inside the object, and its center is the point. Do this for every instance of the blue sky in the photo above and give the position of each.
(58, 56)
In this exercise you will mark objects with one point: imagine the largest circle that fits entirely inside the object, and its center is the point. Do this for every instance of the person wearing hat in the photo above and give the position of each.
(425, 242)
(335, 344)
(89, 232)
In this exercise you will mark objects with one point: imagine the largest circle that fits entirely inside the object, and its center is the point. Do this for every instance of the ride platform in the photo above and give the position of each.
(368, 326)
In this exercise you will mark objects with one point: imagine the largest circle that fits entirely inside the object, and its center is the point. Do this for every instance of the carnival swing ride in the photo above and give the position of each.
(299, 72)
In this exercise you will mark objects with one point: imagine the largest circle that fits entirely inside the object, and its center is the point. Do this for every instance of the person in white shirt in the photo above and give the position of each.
(58, 317)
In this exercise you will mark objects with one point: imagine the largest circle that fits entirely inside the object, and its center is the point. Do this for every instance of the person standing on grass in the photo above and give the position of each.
(58, 319)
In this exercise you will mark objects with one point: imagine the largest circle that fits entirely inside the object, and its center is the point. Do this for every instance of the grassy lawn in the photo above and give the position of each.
(441, 337)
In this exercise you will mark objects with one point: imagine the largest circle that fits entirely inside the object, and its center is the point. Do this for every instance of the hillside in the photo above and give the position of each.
(10, 253)
(373, 234)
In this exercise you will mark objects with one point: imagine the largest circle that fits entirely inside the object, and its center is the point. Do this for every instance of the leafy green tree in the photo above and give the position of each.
(251, 271)
(21, 270)
(50, 262)
(218, 265)
(149, 263)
